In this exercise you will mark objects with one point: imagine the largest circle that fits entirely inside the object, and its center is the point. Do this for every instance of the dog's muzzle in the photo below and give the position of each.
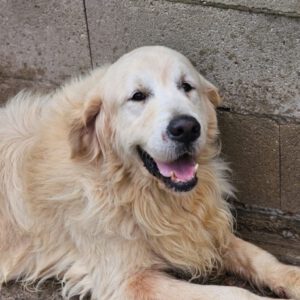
(180, 174)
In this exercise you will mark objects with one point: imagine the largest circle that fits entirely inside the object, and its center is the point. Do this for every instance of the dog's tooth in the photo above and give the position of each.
(173, 176)
(196, 168)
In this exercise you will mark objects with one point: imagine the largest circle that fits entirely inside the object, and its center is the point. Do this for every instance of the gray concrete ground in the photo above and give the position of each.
(50, 290)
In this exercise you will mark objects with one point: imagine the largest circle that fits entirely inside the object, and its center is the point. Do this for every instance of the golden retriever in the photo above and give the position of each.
(115, 178)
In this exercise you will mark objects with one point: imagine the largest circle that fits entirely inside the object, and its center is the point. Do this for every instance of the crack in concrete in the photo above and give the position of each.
(279, 119)
(280, 166)
(88, 33)
(259, 10)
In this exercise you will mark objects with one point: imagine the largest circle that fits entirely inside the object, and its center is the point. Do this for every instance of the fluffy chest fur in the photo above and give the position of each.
(185, 231)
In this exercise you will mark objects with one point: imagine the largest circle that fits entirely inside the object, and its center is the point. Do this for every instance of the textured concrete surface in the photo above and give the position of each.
(273, 230)
(253, 58)
(42, 40)
(47, 291)
(50, 290)
(290, 167)
(11, 86)
(251, 145)
(281, 7)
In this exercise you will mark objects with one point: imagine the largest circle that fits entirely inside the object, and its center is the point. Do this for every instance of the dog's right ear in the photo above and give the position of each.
(83, 138)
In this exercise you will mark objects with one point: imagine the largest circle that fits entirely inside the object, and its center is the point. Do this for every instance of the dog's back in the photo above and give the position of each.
(19, 122)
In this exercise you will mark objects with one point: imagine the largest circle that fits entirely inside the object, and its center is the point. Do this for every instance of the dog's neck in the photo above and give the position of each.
(188, 230)
(168, 220)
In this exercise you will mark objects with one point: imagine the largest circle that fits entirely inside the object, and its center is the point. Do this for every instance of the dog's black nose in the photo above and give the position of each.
(184, 129)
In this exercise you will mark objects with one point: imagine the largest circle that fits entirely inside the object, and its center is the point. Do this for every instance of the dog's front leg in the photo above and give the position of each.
(262, 268)
(152, 285)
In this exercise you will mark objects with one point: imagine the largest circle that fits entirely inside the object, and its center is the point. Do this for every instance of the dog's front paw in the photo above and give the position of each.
(288, 282)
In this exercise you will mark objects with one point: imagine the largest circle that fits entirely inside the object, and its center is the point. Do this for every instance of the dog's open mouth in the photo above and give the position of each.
(179, 175)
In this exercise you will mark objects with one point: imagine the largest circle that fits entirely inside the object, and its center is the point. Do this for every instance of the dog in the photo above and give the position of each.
(115, 178)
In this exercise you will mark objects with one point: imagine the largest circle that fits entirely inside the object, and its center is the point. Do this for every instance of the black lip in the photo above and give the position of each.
(152, 168)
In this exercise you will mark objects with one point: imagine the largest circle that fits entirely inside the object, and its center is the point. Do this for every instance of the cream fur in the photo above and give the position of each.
(76, 202)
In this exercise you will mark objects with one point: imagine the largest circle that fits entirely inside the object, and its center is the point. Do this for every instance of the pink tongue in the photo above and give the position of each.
(184, 168)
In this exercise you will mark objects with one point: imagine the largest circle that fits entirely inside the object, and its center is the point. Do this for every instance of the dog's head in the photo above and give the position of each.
(154, 111)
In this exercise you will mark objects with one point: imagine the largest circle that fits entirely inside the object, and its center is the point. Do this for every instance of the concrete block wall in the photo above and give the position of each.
(249, 49)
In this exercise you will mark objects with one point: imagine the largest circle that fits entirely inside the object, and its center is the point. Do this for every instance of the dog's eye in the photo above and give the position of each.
(138, 96)
(186, 87)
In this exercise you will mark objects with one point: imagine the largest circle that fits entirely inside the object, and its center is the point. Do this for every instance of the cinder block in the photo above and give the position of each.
(253, 58)
(251, 145)
(9, 87)
(290, 167)
(43, 40)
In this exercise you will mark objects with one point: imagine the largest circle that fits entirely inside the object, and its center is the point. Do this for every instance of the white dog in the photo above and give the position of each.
(115, 178)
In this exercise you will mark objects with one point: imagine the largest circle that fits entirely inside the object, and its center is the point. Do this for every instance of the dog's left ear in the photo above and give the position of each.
(83, 137)
(211, 91)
